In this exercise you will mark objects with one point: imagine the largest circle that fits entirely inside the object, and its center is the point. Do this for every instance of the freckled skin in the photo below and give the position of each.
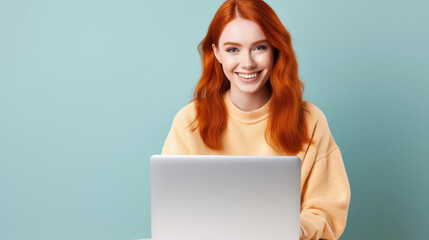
(242, 49)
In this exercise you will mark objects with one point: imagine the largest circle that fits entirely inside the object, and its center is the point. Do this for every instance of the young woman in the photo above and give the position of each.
(249, 102)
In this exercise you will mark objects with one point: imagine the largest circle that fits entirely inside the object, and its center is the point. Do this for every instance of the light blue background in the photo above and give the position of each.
(88, 90)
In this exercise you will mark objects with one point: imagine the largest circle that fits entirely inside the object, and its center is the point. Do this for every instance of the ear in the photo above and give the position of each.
(216, 53)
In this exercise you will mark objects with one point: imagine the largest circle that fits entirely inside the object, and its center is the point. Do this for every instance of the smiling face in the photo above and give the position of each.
(247, 58)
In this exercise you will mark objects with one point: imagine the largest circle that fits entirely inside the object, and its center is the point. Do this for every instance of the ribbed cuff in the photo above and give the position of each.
(306, 227)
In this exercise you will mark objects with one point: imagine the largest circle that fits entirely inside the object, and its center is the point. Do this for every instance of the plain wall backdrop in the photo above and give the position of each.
(88, 91)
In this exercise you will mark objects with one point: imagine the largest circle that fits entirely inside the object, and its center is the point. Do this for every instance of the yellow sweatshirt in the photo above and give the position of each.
(325, 191)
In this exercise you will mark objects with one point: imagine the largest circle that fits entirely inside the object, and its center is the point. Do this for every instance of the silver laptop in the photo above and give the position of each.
(197, 197)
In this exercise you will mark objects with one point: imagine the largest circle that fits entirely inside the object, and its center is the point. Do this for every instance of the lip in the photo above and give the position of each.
(248, 80)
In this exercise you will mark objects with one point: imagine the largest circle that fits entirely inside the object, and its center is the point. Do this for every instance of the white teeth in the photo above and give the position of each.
(248, 75)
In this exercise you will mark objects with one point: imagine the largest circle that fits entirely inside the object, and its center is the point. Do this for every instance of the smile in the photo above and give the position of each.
(248, 77)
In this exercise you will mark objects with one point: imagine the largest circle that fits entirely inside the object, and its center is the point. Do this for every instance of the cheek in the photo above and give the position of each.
(266, 60)
(229, 63)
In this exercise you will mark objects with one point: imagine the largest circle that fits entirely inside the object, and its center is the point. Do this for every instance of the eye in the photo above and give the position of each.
(261, 47)
(232, 50)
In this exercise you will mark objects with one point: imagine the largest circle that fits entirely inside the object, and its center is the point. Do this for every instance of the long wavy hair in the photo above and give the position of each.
(286, 131)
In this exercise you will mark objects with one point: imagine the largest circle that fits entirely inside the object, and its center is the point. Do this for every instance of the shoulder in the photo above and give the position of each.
(317, 123)
(314, 115)
(319, 131)
(186, 114)
(177, 141)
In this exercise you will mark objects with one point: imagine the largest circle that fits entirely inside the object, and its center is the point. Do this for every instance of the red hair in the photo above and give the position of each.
(286, 130)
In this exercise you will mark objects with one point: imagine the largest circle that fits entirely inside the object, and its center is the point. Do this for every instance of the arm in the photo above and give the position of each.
(325, 199)
(325, 191)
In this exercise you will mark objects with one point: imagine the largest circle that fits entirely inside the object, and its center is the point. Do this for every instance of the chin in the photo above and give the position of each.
(249, 90)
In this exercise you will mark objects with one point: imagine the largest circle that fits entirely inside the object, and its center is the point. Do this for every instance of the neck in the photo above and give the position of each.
(249, 101)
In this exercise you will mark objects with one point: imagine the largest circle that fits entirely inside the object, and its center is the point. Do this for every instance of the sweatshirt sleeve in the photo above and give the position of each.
(177, 138)
(325, 194)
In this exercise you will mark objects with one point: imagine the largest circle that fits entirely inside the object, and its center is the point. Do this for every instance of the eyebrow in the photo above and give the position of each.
(238, 44)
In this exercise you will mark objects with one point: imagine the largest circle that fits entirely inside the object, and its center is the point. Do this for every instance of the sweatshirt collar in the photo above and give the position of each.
(243, 116)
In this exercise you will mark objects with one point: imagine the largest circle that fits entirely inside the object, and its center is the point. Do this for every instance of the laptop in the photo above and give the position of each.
(196, 197)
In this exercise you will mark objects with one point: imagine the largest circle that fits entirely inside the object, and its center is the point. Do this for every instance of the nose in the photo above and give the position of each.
(248, 61)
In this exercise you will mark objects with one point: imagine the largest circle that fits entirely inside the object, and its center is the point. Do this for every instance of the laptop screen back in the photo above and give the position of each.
(212, 197)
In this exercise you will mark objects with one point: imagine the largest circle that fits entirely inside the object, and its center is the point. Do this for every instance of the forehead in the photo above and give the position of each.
(241, 31)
